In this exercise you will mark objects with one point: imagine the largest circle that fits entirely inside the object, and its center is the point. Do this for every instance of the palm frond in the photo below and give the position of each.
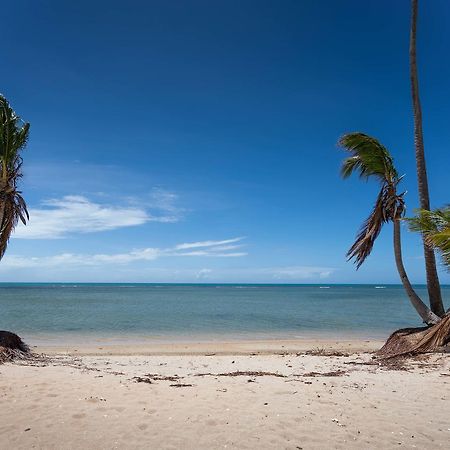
(368, 157)
(435, 226)
(13, 138)
(388, 206)
(14, 209)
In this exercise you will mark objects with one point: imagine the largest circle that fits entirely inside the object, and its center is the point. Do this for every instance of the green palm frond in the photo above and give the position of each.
(13, 138)
(435, 226)
(369, 159)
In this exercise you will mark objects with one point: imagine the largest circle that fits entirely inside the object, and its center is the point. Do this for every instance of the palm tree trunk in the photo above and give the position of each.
(424, 312)
(434, 289)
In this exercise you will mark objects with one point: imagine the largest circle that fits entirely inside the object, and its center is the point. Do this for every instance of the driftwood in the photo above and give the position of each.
(413, 341)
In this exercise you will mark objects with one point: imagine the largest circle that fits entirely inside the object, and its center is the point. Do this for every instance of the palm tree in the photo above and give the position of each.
(434, 290)
(13, 138)
(372, 160)
(435, 227)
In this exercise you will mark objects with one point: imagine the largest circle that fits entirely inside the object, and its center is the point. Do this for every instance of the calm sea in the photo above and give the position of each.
(55, 313)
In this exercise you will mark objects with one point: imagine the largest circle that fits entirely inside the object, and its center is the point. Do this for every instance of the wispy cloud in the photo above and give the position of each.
(146, 254)
(208, 244)
(71, 214)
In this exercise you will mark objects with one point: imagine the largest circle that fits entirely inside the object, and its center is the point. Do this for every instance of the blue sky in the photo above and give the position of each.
(196, 141)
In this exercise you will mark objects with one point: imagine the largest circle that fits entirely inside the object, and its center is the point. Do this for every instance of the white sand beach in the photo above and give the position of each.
(265, 395)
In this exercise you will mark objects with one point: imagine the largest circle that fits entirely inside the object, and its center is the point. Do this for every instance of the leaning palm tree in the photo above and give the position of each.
(372, 160)
(434, 290)
(13, 138)
(435, 227)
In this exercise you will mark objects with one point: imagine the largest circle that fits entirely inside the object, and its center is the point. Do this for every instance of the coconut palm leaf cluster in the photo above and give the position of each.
(435, 228)
(371, 159)
(13, 138)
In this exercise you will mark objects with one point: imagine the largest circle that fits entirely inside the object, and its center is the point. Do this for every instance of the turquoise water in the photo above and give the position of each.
(57, 312)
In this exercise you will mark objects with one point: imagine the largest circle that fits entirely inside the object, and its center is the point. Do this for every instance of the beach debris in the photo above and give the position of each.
(114, 373)
(179, 385)
(158, 377)
(320, 351)
(239, 373)
(12, 347)
(413, 341)
(335, 373)
(143, 380)
(336, 421)
(151, 377)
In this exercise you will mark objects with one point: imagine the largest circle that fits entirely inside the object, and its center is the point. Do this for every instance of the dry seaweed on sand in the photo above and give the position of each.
(143, 380)
(334, 373)
(150, 377)
(323, 352)
(242, 374)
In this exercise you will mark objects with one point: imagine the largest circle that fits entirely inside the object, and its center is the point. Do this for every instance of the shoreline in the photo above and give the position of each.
(222, 347)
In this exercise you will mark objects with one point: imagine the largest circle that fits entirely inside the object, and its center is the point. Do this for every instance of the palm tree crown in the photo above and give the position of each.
(13, 138)
(371, 159)
(435, 227)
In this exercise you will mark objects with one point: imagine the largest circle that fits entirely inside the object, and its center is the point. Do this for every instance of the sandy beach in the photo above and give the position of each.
(243, 395)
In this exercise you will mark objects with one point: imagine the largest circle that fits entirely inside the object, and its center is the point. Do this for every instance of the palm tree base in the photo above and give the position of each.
(12, 347)
(413, 341)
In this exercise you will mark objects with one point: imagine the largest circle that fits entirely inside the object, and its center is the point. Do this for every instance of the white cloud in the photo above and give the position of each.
(207, 248)
(77, 214)
(164, 200)
(207, 243)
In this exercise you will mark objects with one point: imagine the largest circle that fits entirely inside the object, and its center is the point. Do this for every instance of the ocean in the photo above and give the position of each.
(71, 312)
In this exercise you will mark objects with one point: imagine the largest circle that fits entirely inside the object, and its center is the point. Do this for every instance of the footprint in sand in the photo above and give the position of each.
(78, 416)
(143, 426)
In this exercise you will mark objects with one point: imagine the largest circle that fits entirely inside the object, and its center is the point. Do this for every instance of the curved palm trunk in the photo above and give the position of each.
(424, 312)
(434, 290)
